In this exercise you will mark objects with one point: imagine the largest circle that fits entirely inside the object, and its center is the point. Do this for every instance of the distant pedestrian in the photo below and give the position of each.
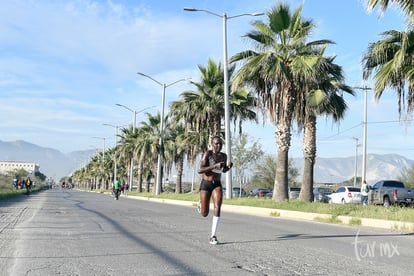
(125, 187)
(15, 183)
(117, 188)
(28, 183)
(364, 193)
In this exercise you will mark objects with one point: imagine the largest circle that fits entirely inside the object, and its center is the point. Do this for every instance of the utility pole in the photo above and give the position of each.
(356, 160)
(364, 141)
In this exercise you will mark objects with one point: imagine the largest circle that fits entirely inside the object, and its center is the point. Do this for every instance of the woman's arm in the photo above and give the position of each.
(204, 168)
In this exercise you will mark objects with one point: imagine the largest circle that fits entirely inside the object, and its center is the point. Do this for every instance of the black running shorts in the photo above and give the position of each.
(209, 185)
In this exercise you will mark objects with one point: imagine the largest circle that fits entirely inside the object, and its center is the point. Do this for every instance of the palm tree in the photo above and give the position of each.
(126, 147)
(140, 149)
(203, 110)
(93, 170)
(200, 112)
(149, 147)
(407, 6)
(105, 168)
(390, 60)
(241, 104)
(323, 99)
(175, 149)
(275, 72)
(391, 63)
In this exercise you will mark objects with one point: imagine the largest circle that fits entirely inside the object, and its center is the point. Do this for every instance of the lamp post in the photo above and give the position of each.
(364, 138)
(134, 124)
(161, 141)
(226, 88)
(116, 142)
(103, 154)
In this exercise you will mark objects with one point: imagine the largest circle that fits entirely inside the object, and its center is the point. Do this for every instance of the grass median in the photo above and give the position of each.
(395, 213)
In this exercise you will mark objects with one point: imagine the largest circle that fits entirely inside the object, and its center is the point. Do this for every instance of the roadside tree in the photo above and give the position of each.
(244, 156)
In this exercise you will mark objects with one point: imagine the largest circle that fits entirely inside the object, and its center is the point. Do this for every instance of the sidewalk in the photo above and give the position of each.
(269, 212)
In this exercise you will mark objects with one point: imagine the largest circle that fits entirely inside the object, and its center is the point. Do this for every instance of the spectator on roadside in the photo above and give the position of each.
(121, 188)
(15, 183)
(117, 187)
(28, 184)
(125, 187)
(364, 193)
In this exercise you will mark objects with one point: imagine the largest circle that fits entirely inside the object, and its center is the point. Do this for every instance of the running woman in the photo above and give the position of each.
(212, 165)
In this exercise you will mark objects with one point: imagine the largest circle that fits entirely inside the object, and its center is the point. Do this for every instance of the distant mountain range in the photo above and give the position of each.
(379, 166)
(52, 162)
(56, 164)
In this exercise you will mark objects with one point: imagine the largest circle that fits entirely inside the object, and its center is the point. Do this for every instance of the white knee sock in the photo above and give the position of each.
(214, 225)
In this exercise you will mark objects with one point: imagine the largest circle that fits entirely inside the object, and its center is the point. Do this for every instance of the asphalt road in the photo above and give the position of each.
(65, 232)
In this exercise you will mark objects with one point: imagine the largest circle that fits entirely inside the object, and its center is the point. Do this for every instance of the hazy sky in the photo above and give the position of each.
(64, 65)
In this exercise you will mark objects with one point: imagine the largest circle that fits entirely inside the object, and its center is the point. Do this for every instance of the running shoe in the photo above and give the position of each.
(213, 240)
(199, 207)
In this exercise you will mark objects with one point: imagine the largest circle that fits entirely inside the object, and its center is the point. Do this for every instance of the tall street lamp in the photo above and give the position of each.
(116, 142)
(103, 153)
(226, 88)
(134, 125)
(161, 141)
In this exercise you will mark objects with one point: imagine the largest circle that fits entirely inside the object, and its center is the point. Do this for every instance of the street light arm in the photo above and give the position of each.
(194, 10)
(114, 125)
(246, 14)
(362, 87)
(189, 9)
(124, 106)
(223, 15)
(144, 75)
(177, 81)
(139, 111)
(160, 83)
(110, 125)
(133, 111)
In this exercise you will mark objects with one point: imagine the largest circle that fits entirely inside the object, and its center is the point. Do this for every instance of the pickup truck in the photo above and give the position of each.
(390, 192)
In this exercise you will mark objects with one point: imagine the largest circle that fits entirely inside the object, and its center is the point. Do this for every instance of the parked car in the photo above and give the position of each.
(269, 195)
(293, 192)
(346, 194)
(235, 192)
(259, 192)
(321, 194)
(387, 192)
